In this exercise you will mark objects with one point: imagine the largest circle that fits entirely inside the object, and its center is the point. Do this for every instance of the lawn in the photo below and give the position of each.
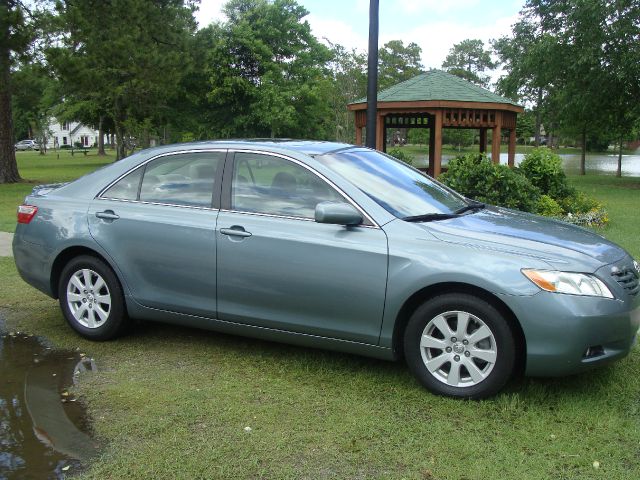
(173, 402)
(36, 169)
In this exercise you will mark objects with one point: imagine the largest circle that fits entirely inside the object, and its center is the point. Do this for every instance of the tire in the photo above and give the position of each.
(448, 359)
(91, 299)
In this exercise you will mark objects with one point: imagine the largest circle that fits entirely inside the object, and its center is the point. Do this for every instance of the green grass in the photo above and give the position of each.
(173, 402)
(36, 169)
(621, 198)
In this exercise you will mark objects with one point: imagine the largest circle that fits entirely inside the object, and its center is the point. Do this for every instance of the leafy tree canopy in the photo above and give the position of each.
(398, 63)
(470, 60)
(266, 71)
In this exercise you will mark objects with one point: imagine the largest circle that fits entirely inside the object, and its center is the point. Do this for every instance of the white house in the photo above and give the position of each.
(68, 133)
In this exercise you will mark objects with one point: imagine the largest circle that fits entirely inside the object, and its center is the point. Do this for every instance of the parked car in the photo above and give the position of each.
(26, 145)
(329, 245)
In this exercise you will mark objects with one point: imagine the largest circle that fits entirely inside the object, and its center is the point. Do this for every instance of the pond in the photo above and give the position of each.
(595, 163)
(43, 428)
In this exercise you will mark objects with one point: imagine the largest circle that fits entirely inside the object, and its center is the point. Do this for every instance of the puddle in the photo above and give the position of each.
(42, 426)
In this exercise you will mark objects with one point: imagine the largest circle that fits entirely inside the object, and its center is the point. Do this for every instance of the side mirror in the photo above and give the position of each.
(338, 213)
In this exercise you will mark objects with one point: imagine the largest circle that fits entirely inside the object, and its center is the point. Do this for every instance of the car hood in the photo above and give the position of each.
(552, 240)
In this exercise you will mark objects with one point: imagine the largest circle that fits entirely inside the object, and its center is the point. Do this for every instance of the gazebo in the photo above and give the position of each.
(437, 100)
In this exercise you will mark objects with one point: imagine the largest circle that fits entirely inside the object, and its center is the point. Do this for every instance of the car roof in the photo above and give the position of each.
(309, 147)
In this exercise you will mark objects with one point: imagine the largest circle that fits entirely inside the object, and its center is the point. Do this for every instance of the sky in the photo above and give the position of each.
(435, 25)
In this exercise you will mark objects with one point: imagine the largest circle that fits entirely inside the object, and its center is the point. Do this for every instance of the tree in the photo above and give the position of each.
(125, 63)
(16, 34)
(419, 136)
(459, 137)
(349, 82)
(469, 60)
(267, 72)
(622, 63)
(581, 59)
(528, 57)
(34, 94)
(525, 128)
(398, 63)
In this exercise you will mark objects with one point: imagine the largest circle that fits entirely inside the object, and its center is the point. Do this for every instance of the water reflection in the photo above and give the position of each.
(41, 424)
(595, 163)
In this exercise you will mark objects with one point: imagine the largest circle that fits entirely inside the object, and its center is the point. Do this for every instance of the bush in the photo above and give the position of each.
(476, 177)
(593, 218)
(401, 155)
(538, 186)
(578, 202)
(544, 169)
(548, 207)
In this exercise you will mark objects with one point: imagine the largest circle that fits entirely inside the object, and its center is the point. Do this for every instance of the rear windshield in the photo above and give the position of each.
(402, 190)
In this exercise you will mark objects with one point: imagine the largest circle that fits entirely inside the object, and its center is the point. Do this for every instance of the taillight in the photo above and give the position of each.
(26, 213)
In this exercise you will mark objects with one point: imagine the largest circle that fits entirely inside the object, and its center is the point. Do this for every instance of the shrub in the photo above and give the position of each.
(539, 187)
(548, 207)
(401, 155)
(476, 177)
(544, 169)
(578, 202)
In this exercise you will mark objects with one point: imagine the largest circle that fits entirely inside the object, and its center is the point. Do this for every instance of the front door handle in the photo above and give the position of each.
(107, 215)
(235, 231)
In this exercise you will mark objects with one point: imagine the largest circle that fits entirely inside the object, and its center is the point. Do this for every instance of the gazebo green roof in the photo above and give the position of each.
(435, 85)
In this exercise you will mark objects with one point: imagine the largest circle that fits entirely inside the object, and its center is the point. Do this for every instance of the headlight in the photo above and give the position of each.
(568, 282)
(636, 266)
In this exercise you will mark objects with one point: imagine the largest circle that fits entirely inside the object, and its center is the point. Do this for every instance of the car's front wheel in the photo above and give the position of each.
(461, 346)
(91, 298)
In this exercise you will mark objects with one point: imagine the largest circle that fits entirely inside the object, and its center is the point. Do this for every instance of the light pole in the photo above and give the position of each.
(372, 74)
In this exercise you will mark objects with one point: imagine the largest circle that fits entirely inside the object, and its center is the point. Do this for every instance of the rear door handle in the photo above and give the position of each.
(235, 231)
(107, 215)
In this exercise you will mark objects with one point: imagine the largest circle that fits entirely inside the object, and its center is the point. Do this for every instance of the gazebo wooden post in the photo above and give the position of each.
(512, 147)
(483, 140)
(437, 147)
(495, 141)
(358, 135)
(432, 145)
(380, 140)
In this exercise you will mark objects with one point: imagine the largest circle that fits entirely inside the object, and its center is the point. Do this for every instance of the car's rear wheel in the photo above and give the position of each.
(91, 298)
(461, 346)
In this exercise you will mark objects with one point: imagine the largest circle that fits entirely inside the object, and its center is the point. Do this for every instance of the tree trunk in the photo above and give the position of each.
(146, 139)
(583, 155)
(121, 150)
(538, 119)
(101, 151)
(8, 165)
(619, 171)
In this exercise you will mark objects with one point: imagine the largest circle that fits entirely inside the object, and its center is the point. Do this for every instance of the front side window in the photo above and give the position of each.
(275, 186)
(399, 189)
(183, 179)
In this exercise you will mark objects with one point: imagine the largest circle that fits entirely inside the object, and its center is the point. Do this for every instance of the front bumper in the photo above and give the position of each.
(567, 334)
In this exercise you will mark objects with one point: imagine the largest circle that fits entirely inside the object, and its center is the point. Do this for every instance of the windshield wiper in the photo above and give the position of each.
(429, 217)
(471, 206)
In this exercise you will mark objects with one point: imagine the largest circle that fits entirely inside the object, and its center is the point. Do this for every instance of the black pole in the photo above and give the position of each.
(372, 75)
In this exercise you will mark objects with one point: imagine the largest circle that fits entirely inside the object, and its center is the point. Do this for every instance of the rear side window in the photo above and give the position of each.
(126, 188)
(183, 179)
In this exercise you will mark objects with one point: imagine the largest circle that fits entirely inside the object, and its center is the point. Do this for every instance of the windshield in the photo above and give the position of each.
(398, 188)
